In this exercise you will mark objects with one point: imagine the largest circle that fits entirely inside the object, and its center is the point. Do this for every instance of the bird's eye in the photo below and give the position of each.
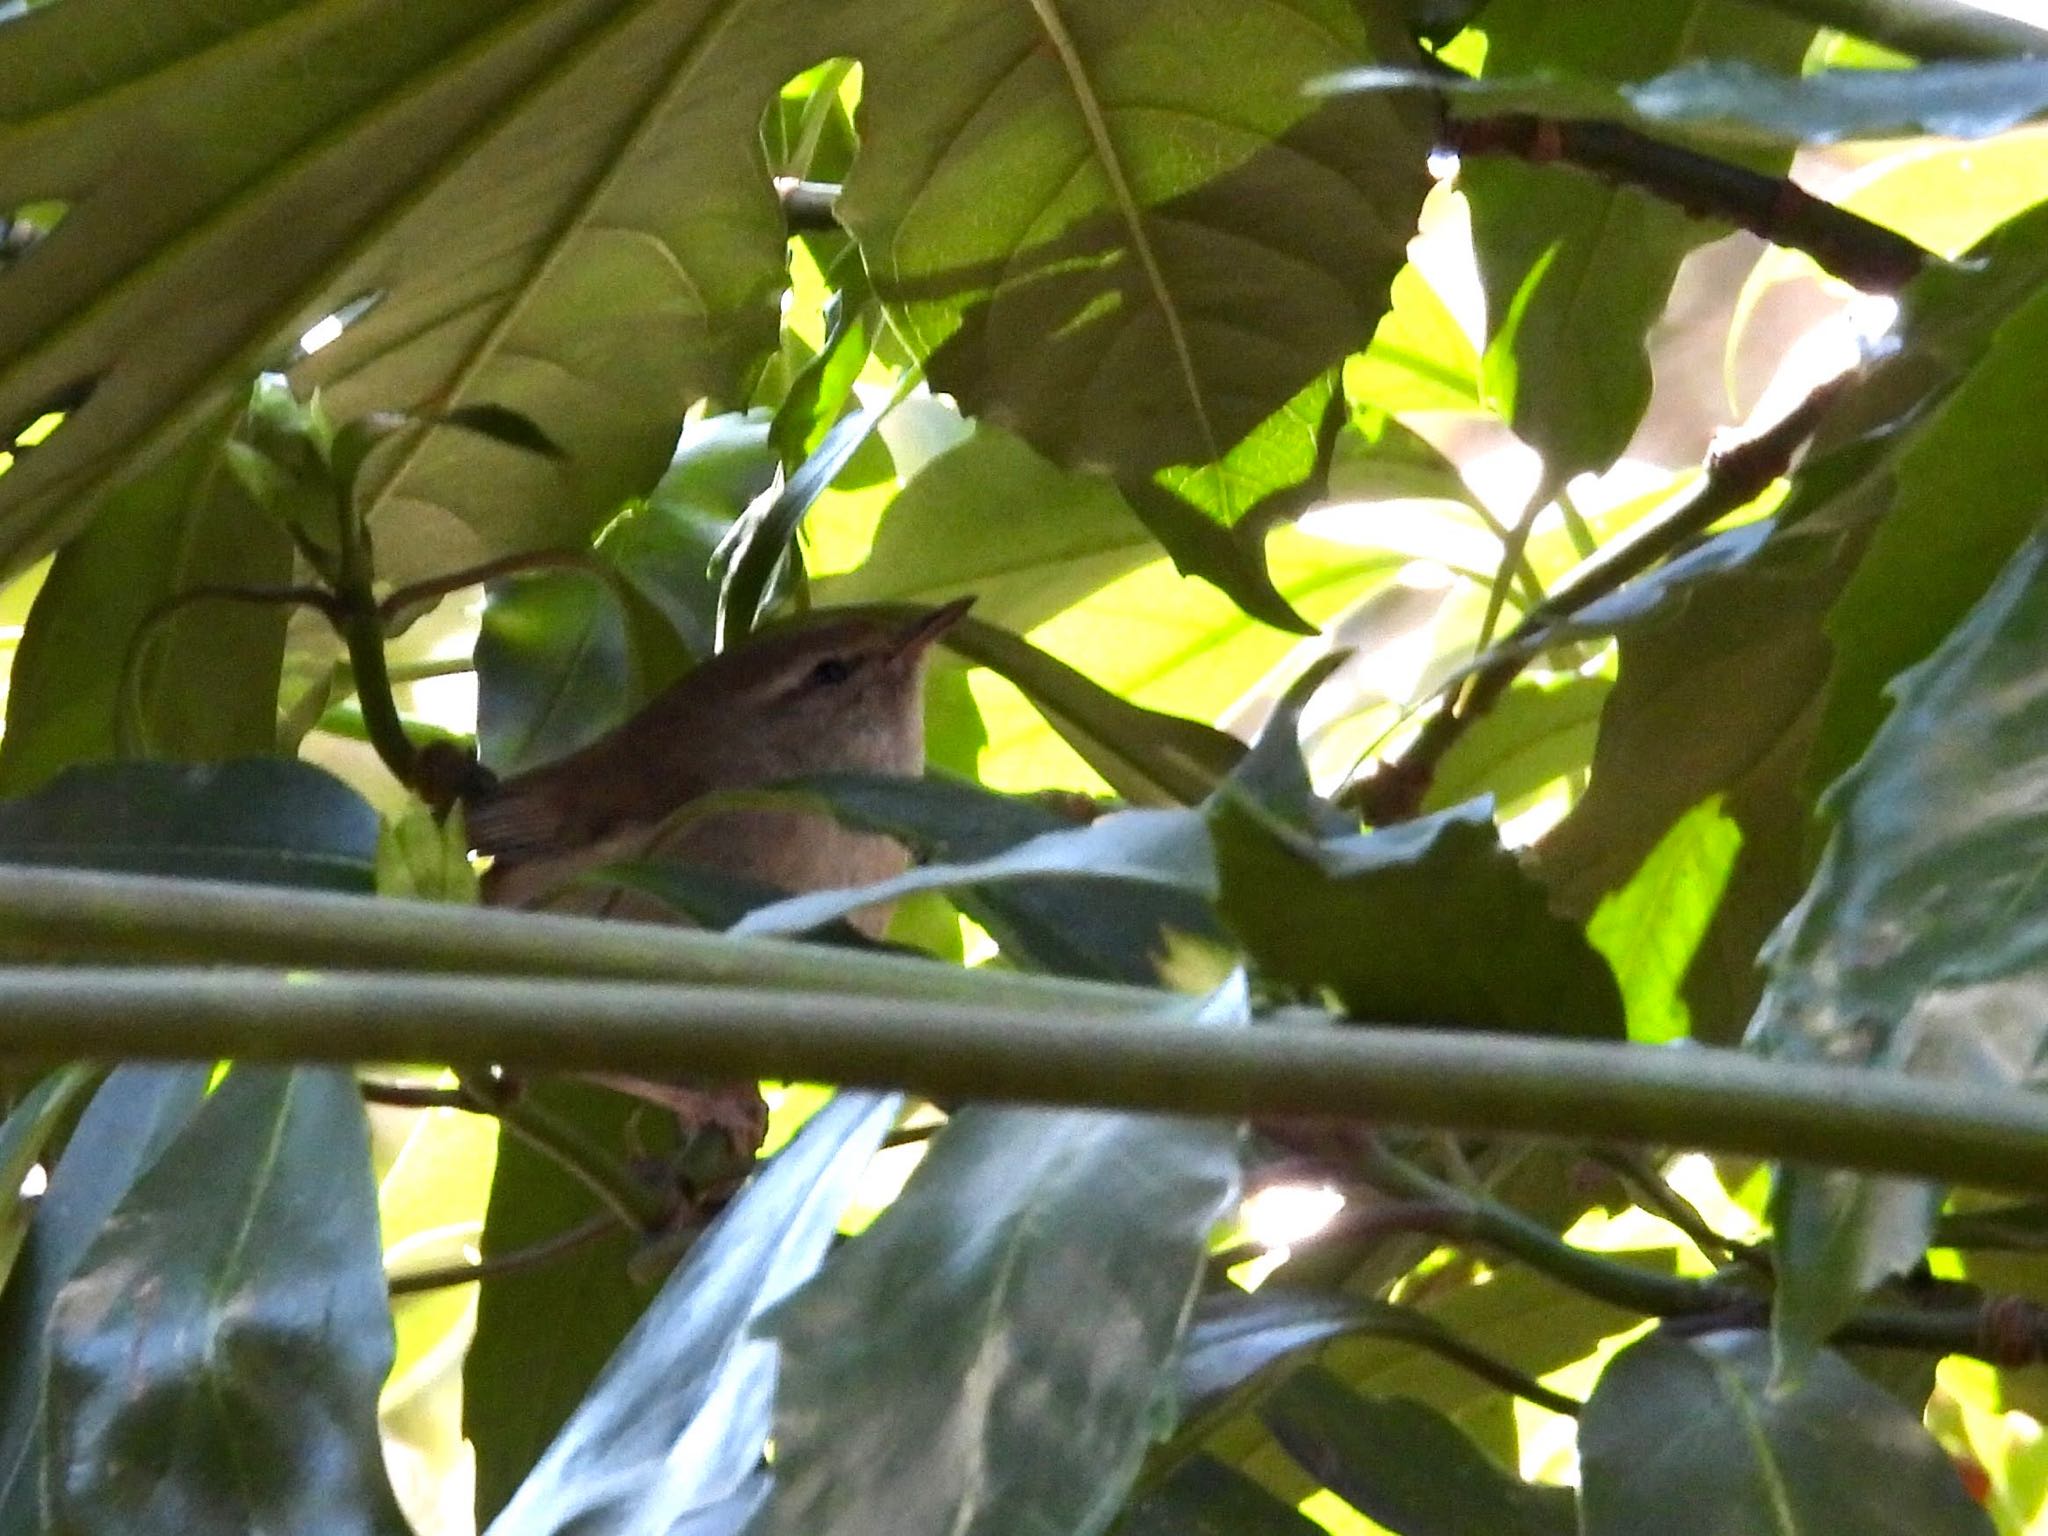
(832, 670)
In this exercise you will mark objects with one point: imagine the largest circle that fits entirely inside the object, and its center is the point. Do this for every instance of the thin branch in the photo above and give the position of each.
(1864, 254)
(1927, 29)
(433, 588)
(1656, 1195)
(533, 1256)
(1735, 476)
(418, 1096)
(1432, 1206)
(2005, 1331)
(1128, 1058)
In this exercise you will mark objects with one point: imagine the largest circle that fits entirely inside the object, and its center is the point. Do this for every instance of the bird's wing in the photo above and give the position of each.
(521, 818)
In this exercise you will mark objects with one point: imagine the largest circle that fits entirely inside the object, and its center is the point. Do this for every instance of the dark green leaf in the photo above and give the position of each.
(1694, 1438)
(754, 550)
(1521, 1318)
(663, 546)
(1575, 270)
(1405, 1465)
(1017, 1309)
(207, 678)
(137, 1112)
(1234, 1336)
(1099, 900)
(1392, 921)
(1918, 946)
(819, 394)
(1716, 695)
(691, 1373)
(1929, 560)
(714, 898)
(554, 669)
(243, 1396)
(1144, 298)
(543, 1334)
(263, 819)
(1203, 1497)
(1967, 99)
(27, 1129)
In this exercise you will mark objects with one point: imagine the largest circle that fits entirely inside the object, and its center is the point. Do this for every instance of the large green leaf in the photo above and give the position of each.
(1692, 1438)
(264, 819)
(137, 1112)
(1148, 756)
(1123, 228)
(691, 1374)
(1206, 1498)
(993, 517)
(543, 1334)
(554, 669)
(243, 1394)
(1392, 920)
(1577, 271)
(1405, 1465)
(1101, 900)
(1919, 946)
(1518, 1316)
(1017, 1309)
(206, 674)
(1969, 491)
(23, 1135)
(1724, 655)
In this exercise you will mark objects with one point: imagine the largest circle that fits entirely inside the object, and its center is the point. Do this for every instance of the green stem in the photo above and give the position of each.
(73, 914)
(1927, 29)
(1445, 1211)
(362, 630)
(533, 1256)
(1470, 1081)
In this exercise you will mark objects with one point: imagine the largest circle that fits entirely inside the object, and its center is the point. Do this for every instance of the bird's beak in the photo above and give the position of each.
(919, 634)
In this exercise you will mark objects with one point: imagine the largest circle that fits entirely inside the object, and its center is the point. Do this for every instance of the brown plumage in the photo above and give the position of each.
(811, 697)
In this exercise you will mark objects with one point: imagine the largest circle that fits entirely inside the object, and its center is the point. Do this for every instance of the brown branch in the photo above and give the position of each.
(1735, 476)
(1861, 253)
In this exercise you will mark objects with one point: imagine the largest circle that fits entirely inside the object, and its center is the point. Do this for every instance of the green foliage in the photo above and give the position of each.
(1754, 1455)
(408, 393)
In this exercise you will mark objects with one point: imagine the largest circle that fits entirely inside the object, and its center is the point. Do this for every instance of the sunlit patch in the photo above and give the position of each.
(34, 1182)
(39, 430)
(329, 328)
(1551, 807)
(1870, 316)
(319, 334)
(1283, 1215)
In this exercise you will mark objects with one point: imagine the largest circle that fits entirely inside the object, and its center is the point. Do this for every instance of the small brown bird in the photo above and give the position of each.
(814, 696)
